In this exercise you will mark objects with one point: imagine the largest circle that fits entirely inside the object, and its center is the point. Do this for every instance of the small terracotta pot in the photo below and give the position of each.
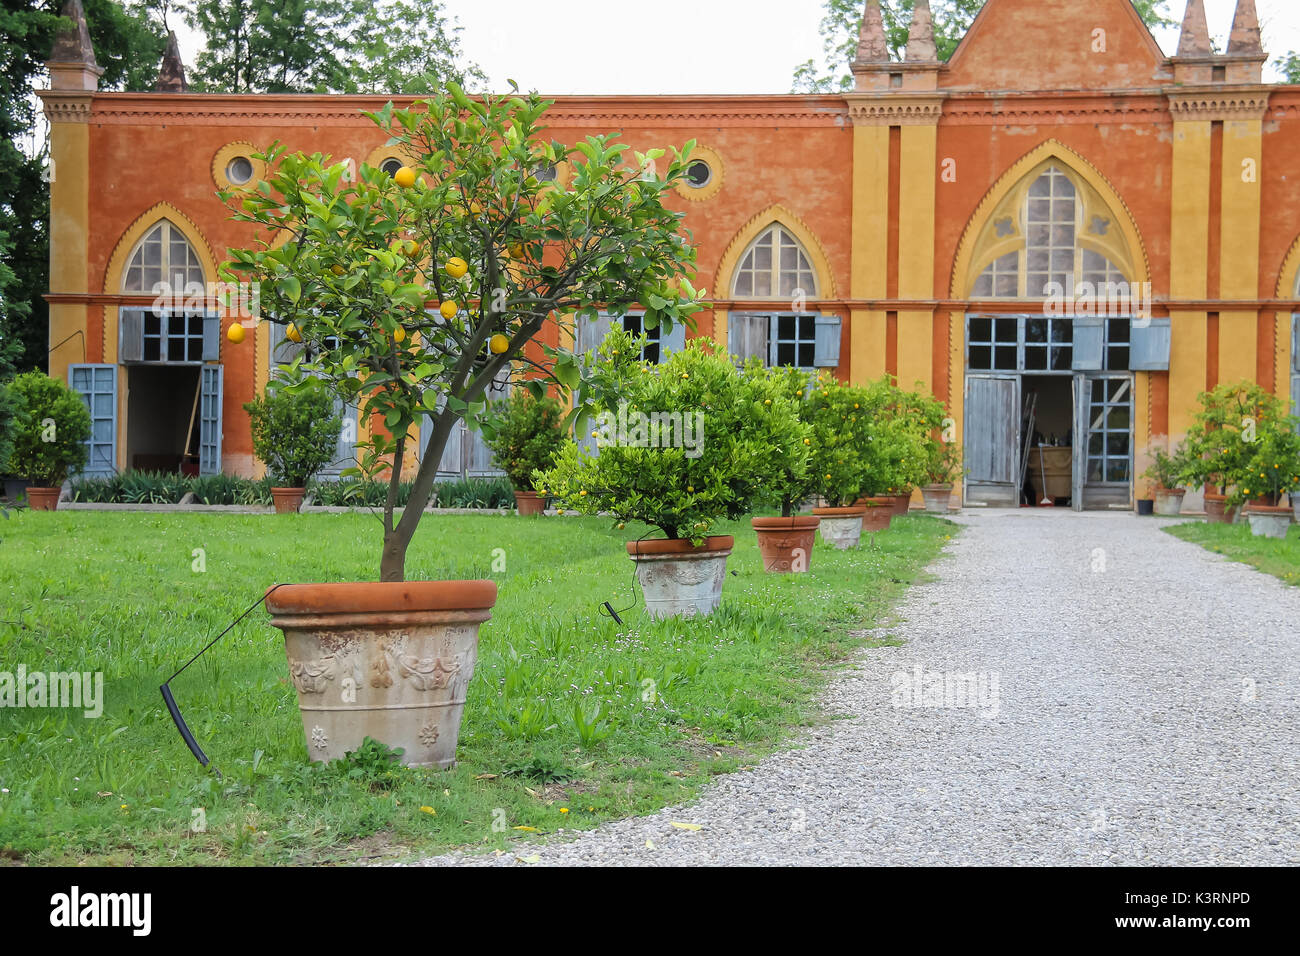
(902, 503)
(841, 528)
(287, 500)
(879, 515)
(938, 497)
(1169, 501)
(530, 503)
(43, 499)
(786, 544)
(1216, 511)
(679, 579)
(390, 661)
(1269, 521)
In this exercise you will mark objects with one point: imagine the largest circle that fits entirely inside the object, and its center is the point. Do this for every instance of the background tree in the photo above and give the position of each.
(325, 46)
(952, 18)
(129, 39)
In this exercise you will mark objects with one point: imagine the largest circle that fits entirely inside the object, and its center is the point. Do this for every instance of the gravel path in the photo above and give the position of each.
(1139, 707)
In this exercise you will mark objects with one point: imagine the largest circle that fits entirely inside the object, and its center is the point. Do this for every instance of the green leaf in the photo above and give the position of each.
(290, 288)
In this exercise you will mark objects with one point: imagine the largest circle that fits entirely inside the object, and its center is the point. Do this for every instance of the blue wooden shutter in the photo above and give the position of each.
(211, 337)
(1089, 344)
(210, 388)
(826, 349)
(590, 333)
(97, 385)
(671, 342)
(130, 335)
(1150, 343)
(452, 463)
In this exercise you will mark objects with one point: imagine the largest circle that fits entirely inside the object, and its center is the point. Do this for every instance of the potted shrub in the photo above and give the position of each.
(524, 433)
(686, 445)
(1218, 444)
(1167, 474)
(943, 469)
(50, 428)
(840, 418)
(1274, 469)
(785, 543)
(412, 294)
(296, 433)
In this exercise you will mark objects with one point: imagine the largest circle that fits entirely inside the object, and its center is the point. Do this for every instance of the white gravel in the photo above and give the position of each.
(1146, 714)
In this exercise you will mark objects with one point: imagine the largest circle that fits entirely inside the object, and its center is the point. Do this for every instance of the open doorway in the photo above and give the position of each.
(163, 418)
(1047, 436)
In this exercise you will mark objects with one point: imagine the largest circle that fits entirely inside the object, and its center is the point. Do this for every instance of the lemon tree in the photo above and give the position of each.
(413, 293)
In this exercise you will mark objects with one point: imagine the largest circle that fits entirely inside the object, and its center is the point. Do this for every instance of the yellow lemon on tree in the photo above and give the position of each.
(499, 344)
(337, 269)
(413, 247)
(399, 335)
(516, 250)
(235, 333)
(456, 267)
(448, 309)
(292, 333)
(404, 177)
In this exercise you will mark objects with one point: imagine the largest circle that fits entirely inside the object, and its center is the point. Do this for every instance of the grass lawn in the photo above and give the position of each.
(1278, 558)
(118, 593)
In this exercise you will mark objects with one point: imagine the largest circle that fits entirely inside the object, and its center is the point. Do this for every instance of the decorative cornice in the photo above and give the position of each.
(66, 106)
(895, 109)
(1218, 103)
(1054, 109)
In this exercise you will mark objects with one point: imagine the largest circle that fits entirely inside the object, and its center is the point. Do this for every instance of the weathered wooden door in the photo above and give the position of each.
(993, 440)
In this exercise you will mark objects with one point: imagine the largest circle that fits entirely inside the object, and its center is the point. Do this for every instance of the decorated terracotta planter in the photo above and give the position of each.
(287, 500)
(1295, 504)
(43, 499)
(786, 544)
(390, 661)
(1169, 501)
(1269, 521)
(901, 504)
(938, 498)
(530, 503)
(679, 579)
(841, 528)
(1216, 510)
(880, 512)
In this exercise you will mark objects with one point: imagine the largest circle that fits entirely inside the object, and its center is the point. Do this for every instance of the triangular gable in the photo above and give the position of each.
(1055, 45)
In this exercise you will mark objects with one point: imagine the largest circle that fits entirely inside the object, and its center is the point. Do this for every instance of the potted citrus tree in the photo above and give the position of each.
(524, 433)
(688, 444)
(840, 418)
(412, 294)
(1272, 470)
(1218, 444)
(943, 469)
(786, 542)
(296, 433)
(48, 434)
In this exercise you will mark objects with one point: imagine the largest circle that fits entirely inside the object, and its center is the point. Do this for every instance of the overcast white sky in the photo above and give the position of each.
(698, 46)
(705, 46)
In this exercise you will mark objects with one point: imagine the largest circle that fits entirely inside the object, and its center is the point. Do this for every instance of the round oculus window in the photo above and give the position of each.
(239, 170)
(699, 174)
(391, 165)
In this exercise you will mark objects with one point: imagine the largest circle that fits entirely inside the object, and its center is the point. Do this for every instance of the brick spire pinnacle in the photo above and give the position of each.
(920, 35)
(1194, 40)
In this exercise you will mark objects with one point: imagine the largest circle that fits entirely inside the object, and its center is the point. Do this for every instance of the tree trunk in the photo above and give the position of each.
(392, 565)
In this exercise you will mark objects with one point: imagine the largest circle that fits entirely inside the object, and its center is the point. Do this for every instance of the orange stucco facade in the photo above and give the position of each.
(901, 195)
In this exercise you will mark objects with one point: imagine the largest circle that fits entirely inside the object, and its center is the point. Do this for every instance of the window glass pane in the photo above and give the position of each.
(763, 284)
(1008, 286)
(983, 285)
(1008, 330)
(1005, 358)
(1117, 470)
(785, 353)
(981, 357)
(1062, 358)
(807, 354)
(981, 330)
(1035, 358)
(1035, 330)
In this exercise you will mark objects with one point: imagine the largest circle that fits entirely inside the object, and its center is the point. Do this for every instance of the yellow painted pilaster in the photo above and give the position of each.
(957, 384)
(1239, 260)
(1142, 451)
(69, 233)
(916, 206)
(1189, 254)
(870, 248)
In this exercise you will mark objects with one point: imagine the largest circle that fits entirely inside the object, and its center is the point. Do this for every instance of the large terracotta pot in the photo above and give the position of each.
(1216, 510)
(43, 499)
(530, 503)
(841, 527)
(786, 544)
(679, 579)
(880, 512)
(938, 498)
(390, 661)
(1269, 521)
(287, 500)
(901, 504)
(1169, 501)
